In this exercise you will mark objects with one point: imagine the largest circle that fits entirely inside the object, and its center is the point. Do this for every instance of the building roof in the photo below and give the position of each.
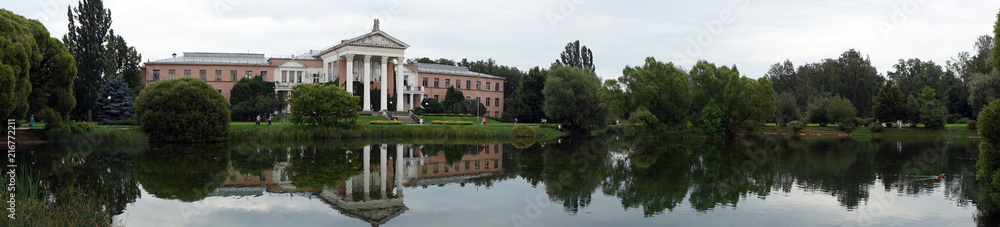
(215, 59)
(376, 38)
(451, 70)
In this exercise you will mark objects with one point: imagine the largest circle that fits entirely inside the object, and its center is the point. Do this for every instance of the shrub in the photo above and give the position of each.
(127, 121)
(385, 122)
(971, 125)
(323, 105)
(963, 120)
(876, 127)
(847, 127)
(796, 126)
(79, 127)
(523, 131)
(183, 110)
(440, 122)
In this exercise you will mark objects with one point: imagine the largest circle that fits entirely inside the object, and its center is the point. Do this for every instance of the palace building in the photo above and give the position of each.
(375, 60)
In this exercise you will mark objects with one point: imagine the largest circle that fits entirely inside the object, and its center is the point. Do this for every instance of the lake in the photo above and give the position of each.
(595, 181)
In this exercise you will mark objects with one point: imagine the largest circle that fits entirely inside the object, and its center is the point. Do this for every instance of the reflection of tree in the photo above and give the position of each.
(988, 176)
(108, 175)
(727, 173)
(655, 176)
(842, 168)
(573, 171)
(183, 172)
(254, 160)
(312, 167)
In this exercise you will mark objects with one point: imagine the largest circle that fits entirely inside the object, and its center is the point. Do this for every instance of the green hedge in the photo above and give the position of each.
(449, 115)
(185, 110)
(439, 122)
(385, 122)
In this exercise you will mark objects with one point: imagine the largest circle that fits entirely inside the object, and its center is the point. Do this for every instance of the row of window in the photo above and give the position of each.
(468, 165)
(290, 76)
(496, 101)
(203, 74)
(468, 84)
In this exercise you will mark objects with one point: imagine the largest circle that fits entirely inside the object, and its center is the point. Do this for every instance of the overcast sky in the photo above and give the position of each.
(750, 34)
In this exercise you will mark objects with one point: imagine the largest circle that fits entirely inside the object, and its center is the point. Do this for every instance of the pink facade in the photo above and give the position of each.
(222, 82)
(490, 96)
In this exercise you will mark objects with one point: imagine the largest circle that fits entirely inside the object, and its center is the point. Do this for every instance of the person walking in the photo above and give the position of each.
(515, 122)
(31, 123)
(484, 121)
(258, 120)
(268, 119)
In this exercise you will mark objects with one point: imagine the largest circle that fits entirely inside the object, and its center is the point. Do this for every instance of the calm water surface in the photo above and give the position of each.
(600, 181)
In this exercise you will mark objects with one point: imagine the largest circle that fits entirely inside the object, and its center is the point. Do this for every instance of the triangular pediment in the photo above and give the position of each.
(376, 39)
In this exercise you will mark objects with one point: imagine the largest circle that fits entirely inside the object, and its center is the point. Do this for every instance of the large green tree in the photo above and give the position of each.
(660, 87)
(36, 73)
(451, 97)
(527, 103)
(253, 96)
(324, 105)
(89, 24)
(115, 100)
(931, 112)
(707, 80)
(577, 55)
(747, 104)
(840, 110)
(123, 60)
(995, 51)
(570, 96)
(888, 104)
(860, 81)
(511, 75)
(613, 98)
(786, 109)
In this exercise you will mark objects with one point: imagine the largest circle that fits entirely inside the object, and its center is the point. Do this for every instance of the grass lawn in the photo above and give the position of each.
(950, 130)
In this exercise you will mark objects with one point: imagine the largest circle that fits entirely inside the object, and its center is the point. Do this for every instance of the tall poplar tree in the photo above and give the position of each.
(89, 24)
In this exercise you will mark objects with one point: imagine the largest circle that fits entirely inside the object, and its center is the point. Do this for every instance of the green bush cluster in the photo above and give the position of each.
(523, 131)
(876, 127)
(185, 110)
(796, 126)
(385, 122)
(863, 121)
(440, 122)
(989, 122)
(971, 125)
(847, 127)
(132, 120)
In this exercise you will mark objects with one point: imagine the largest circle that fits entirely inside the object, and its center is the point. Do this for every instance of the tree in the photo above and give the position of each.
(840, 110)
(89, 23)
(747, 104)
(931, 112)
(528, 101)
(782, 76)
(183, 172)
(889, 103)
(983, 89)
(451, 98)
(576, 55)
(660, 87)
(512, 76)
(712, 119)
(860, 81)
(323, 105)
(613, 98)
(431, 106)
(253, 96)
(36, 73)
(115, 101)
(123, 60)
(786, 109)
(817, 111)
(440, 61)
(995, 52)
(912, 109)
(570, 97)
(988, 163)
(707, 80)
(185, 110)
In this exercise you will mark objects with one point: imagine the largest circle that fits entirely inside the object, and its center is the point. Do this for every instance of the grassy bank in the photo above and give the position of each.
(951, 130)
(73, 207)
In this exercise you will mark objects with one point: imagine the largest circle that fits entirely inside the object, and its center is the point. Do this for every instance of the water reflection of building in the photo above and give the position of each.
(374, 195)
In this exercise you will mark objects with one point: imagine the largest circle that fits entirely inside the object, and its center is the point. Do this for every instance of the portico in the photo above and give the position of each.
(375, 59)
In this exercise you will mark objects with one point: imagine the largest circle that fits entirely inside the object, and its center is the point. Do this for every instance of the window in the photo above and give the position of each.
(498, 86)
(487, 101)
(497, 102)
(316, 78)
(187, 73)
(232, 73)
(468, 84)
(299, 74)
(249, 73)
(436, 82)
(424, 169)
(203, 75)
(284, 76)
(172, 74)
(496, 114)
(263, 75)
(435, 168)
(425, 81)
(466, 165)
(436, 98)
(447, 82)
(488, 88)
(220, 91)
(458, 84)
(218, 75)
(446, 167)
(156, 74)
(479, 85)
(468, 98)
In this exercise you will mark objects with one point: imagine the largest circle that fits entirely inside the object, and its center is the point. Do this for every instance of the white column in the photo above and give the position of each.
(368, 172)
(399, 84)
(399, 170)
(367, 104)
(349, 77)
(384, 98)
(383, 170)
(349, 189)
